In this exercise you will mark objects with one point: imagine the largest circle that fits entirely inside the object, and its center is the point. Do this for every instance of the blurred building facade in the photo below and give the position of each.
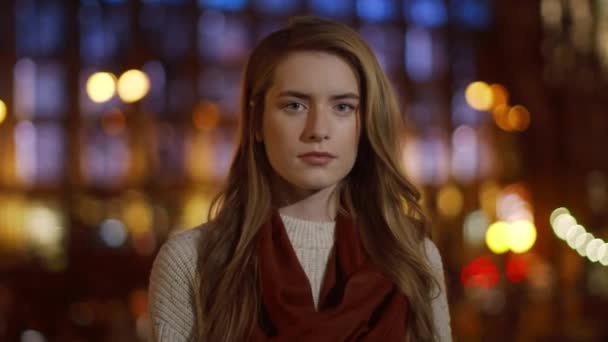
(118, 122)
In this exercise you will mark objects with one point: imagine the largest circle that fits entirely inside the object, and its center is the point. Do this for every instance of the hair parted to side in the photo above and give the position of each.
(384, 204)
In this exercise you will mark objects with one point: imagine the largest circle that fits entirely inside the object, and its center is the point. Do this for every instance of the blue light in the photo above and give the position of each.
(277, 6)
(227, 5)
(164, 2)
(40, 30)
(113, 2)
(376, 10)
(426, 13)
(475, 14)
(336, 8)
(418, 54)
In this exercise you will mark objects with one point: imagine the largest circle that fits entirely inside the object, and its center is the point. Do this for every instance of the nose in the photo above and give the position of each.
(317, 125)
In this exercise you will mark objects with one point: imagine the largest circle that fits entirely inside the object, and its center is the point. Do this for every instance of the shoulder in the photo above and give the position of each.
(178, 256)
(183, 242)
(432, 254)
(439, 303)
(172, 287)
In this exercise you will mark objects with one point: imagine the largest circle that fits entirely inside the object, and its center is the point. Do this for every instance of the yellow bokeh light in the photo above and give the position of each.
(497, 237)
(101, 86)
(500, 95)
(195, 210)
(479, 96)
(450, 201)
(133, 85)
(13, 238)
(2, 111)
(488, 194)
(45, 230)
(138, 216)
(522, 236)
(519, 118)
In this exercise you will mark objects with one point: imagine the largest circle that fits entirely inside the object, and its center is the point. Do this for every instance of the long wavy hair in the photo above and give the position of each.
(383, 203)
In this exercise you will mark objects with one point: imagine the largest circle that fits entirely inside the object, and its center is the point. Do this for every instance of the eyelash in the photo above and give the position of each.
(350, 107)
(289, 106)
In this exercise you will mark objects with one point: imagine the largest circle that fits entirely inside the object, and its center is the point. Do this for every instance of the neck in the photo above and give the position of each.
(319, 205)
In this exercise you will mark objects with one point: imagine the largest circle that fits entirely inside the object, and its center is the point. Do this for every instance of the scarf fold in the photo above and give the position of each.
(357, 301)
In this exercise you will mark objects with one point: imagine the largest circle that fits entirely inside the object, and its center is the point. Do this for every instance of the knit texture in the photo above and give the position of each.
(174, 278)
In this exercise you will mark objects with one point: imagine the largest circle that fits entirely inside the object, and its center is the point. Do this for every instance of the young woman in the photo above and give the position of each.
(316, 235)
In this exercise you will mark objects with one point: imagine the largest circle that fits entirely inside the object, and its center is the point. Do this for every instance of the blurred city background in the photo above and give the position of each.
(118, 118)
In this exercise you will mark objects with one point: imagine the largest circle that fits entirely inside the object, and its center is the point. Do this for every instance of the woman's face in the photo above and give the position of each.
(312, 106)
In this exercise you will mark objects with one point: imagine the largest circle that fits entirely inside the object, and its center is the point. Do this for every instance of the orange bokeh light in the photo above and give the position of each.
(519, 118)
(206, 115)
(500, 95)
(501, 117)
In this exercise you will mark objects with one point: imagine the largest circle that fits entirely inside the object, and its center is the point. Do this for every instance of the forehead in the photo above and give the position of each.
(316, 73)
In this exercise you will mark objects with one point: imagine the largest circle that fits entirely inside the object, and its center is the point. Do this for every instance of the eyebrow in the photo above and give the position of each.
(300, 95)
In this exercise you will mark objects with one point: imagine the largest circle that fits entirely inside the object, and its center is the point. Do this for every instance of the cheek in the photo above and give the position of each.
(278, 140)
(355, 135)
(273, 126)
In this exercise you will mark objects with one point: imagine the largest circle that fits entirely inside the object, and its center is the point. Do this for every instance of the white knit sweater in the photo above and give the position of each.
(174, 279)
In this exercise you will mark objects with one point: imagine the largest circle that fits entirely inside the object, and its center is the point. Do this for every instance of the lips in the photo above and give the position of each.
(317, 154)
(317, 158)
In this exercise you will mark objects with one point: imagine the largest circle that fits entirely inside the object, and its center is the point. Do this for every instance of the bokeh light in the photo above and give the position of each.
(137, 214)
(101, 86)
(501, 117)
(517, 268)
(133, 85)
(206, 115)
(500, 95)
(576, 236)
(44, 227)
(592, 249)
(479, 96)
(488, 195)
(32, 335)
(497, 237)
(562, 223)
(13, 239)
(138, 302)
(2, 111)
(522, 236)
(113, 232)
(450, 201)
(195, 208)
(556, 212)
(573, 233)
(475, 225)
(581, 243)
(518, 118)
(480, 273)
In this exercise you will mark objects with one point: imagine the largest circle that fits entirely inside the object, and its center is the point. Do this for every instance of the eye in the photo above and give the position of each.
(294, 107)
(345, 108)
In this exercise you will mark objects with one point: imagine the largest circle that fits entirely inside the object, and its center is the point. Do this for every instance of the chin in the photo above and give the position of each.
(315, 185)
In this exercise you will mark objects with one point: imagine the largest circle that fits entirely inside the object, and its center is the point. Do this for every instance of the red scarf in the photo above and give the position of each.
(357, 301)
